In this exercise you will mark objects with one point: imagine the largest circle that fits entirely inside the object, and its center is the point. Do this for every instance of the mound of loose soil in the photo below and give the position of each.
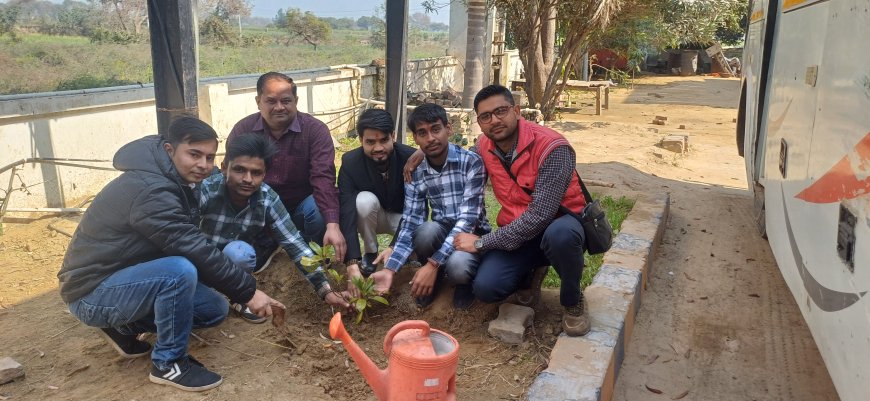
(65, 360)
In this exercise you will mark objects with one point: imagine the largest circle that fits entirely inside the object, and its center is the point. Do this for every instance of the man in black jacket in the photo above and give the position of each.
(138, 263)
(371, 190)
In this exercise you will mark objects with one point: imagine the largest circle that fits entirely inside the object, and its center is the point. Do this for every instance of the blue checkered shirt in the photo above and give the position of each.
(222, 223)
(455, 196)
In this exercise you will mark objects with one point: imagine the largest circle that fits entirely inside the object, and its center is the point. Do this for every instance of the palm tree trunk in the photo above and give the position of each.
(474, 51)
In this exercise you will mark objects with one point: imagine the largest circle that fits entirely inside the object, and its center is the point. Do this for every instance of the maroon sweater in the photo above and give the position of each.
(304, 164)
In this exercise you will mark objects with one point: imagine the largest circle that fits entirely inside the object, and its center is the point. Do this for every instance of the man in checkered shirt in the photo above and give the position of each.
(451, 180)
(237, 206)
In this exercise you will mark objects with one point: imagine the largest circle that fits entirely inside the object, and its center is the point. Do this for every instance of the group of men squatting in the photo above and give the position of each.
(172, 244)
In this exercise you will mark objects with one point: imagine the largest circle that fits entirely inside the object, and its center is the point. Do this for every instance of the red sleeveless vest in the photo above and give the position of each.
(534, 144)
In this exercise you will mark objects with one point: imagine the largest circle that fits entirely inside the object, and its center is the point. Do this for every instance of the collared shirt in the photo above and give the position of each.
(455, 195)
(222, 223)
(304, 163)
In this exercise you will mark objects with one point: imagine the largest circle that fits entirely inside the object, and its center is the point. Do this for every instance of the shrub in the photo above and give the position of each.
(89, 81)
(102, 35)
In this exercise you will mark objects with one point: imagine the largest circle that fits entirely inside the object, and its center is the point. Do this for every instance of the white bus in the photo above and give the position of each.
(804, 131)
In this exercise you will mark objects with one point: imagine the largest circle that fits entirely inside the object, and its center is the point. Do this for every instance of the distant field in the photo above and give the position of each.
(42, 63)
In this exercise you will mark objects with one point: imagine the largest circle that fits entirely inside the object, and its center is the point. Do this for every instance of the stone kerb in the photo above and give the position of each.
(585, 368)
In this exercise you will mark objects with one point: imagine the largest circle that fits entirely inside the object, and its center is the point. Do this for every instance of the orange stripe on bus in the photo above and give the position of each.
(756, 16)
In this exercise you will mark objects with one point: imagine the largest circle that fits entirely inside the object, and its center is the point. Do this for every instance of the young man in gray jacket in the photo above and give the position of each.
(138, 262)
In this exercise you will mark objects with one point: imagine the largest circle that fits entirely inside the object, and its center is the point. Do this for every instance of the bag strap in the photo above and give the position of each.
(563, 209)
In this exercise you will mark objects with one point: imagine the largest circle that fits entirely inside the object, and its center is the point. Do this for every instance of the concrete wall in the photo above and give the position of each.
(94, 123)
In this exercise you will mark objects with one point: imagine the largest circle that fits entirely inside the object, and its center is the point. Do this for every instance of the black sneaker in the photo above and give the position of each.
(245, 313)
(185, 375)
(463, 296)
(265, 254)
(367, 265)
(126, 345)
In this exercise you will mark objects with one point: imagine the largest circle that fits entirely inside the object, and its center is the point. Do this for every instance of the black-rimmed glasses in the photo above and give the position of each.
(499, 112)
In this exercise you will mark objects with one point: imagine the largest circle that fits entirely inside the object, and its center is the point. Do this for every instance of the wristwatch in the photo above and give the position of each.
(478, 244)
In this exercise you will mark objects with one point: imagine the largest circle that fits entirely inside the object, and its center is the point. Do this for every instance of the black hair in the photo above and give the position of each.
(377, 119)
(189, 129)
(428, 113)
(274, 76)
(491, 91)
(251, 145)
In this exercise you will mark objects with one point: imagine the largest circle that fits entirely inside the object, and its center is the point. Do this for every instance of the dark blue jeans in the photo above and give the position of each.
(459, 268)
(161, 296)
(501, 273)
(308, 220)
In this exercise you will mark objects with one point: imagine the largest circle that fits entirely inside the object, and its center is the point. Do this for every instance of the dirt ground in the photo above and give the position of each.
(716, 320)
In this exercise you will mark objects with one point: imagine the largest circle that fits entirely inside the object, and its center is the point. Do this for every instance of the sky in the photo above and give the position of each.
(340, 8)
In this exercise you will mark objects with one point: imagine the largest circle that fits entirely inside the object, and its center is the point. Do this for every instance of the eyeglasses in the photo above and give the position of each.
(486, 118)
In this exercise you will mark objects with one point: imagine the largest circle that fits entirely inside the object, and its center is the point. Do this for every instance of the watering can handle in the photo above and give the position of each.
(406, 325)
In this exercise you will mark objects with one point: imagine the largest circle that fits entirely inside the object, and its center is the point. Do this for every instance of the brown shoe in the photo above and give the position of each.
(532, 295)
(575, 321)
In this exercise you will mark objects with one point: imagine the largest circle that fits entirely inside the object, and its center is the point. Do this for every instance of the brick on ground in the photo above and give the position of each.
(675, 143)
(511, 323)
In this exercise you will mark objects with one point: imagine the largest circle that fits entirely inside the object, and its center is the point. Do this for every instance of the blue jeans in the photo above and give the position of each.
(501, 273)
(308, 220)
(459, 268)
(162, 296)
(242, 254)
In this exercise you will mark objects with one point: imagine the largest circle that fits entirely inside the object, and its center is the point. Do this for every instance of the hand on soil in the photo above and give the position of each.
(261, 304)
(424, 280)
(338, 300)
(277, 316)
(352, 272)
(383, 280)
(384, 255)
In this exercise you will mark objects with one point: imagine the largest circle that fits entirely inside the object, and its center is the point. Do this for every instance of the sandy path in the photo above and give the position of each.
(717, 319)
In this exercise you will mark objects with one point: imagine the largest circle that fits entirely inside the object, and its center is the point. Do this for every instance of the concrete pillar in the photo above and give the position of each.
(213, 107)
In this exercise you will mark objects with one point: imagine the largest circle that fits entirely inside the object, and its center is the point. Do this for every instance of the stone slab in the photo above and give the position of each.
(10, 370)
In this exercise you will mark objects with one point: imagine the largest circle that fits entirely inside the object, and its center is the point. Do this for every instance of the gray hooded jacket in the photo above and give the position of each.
(146, 213)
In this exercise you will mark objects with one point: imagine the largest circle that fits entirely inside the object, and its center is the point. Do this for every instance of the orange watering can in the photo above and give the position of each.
(422, 362)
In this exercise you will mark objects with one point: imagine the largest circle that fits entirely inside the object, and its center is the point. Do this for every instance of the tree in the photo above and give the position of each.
(420, 20)
(217, 31)
(280, 19)
(308, 27)
(695, 21)
(437, 26)
(368, 23)
(533, 25)
(128, 15)
(8, 20)
(224, 9)
(341, 23)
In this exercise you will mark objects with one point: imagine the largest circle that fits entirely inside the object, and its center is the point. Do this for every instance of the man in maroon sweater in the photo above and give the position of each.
(303, 170)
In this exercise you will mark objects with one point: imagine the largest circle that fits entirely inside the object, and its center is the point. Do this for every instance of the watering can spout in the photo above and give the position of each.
(376, 378)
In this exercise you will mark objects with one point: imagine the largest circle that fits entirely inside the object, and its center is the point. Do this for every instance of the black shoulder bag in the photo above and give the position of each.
(596, 227)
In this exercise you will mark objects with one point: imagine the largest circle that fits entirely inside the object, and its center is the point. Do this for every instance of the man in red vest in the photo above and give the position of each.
(532, 171)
